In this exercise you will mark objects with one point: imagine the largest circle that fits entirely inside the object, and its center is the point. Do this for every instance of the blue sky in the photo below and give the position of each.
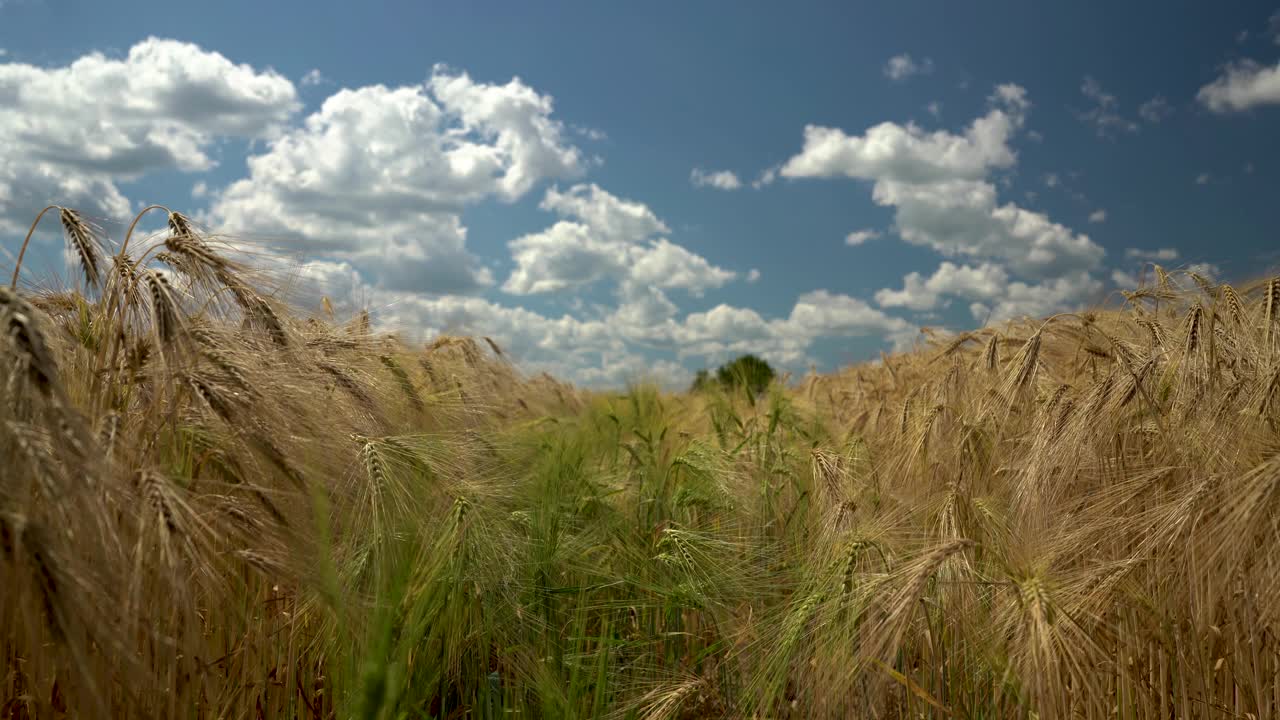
(617, 189)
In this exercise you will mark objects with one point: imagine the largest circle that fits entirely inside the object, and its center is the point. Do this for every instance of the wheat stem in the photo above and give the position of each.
(17, 268)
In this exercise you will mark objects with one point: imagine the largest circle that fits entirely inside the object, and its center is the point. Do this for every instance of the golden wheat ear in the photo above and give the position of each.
(165, 316)
(84, 239)
(180, 224)
(25, 346)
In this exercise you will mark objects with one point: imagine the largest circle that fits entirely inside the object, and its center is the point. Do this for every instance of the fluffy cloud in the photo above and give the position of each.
(984, 282)
(938, 184)
(858, 237)
(962, 218)
(1098, 216)
(940, 188)
(1124, 280)
(1158, 255)
(71, 133)
(726, 330)
(908, 154)
(1208, 270)
(901, 67)
(1038, 300)
(378, 176)
(605, 237)
(641, 338)
(314, 77)
(765, 178)
(718, 179)
(1242, 86)
(370, 188)
(993, 297)
(608, 215)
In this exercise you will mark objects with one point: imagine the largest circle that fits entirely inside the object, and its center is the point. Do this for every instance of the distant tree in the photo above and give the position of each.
(701, 381)
(748, 372)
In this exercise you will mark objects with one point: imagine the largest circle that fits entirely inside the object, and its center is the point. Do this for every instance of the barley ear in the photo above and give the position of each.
(83, 238)
(164, 309)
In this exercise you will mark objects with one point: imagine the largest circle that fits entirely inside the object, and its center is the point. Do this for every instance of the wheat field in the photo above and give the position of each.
(217, 504)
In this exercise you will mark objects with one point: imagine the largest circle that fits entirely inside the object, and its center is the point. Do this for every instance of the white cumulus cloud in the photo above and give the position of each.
(907, 153)
(640, 336)
(718, 179)
(1037, 300)
(939, 184)
(858, 237)
(313, 77)
(71, 134)
(901, 67)
(379, 176)
(1124, 280)
(1243, 85)
(1157, 255)
(983, 282)
(605, 237)
(963, 218)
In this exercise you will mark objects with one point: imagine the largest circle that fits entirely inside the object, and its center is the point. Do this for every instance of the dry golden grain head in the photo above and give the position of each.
(404, 382)
(906, 410)
(494, 346)
(1235, 306)
(192, 257)
(1162, 278)
(51, 584)
(1205, 284)
(258, 312)
(24, 342)
(956, 343)
(109, 431)
(263, 439)
(1154, 329)
(1028, 359)
(215, 397)
(1271, 305)
(991, 356)
(155, 491)
(1193, 322)
(375, 465)
(83, 238)
(164, 308)
(180, 225)
(232, 368)
(349, 383)
(1058, 394)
